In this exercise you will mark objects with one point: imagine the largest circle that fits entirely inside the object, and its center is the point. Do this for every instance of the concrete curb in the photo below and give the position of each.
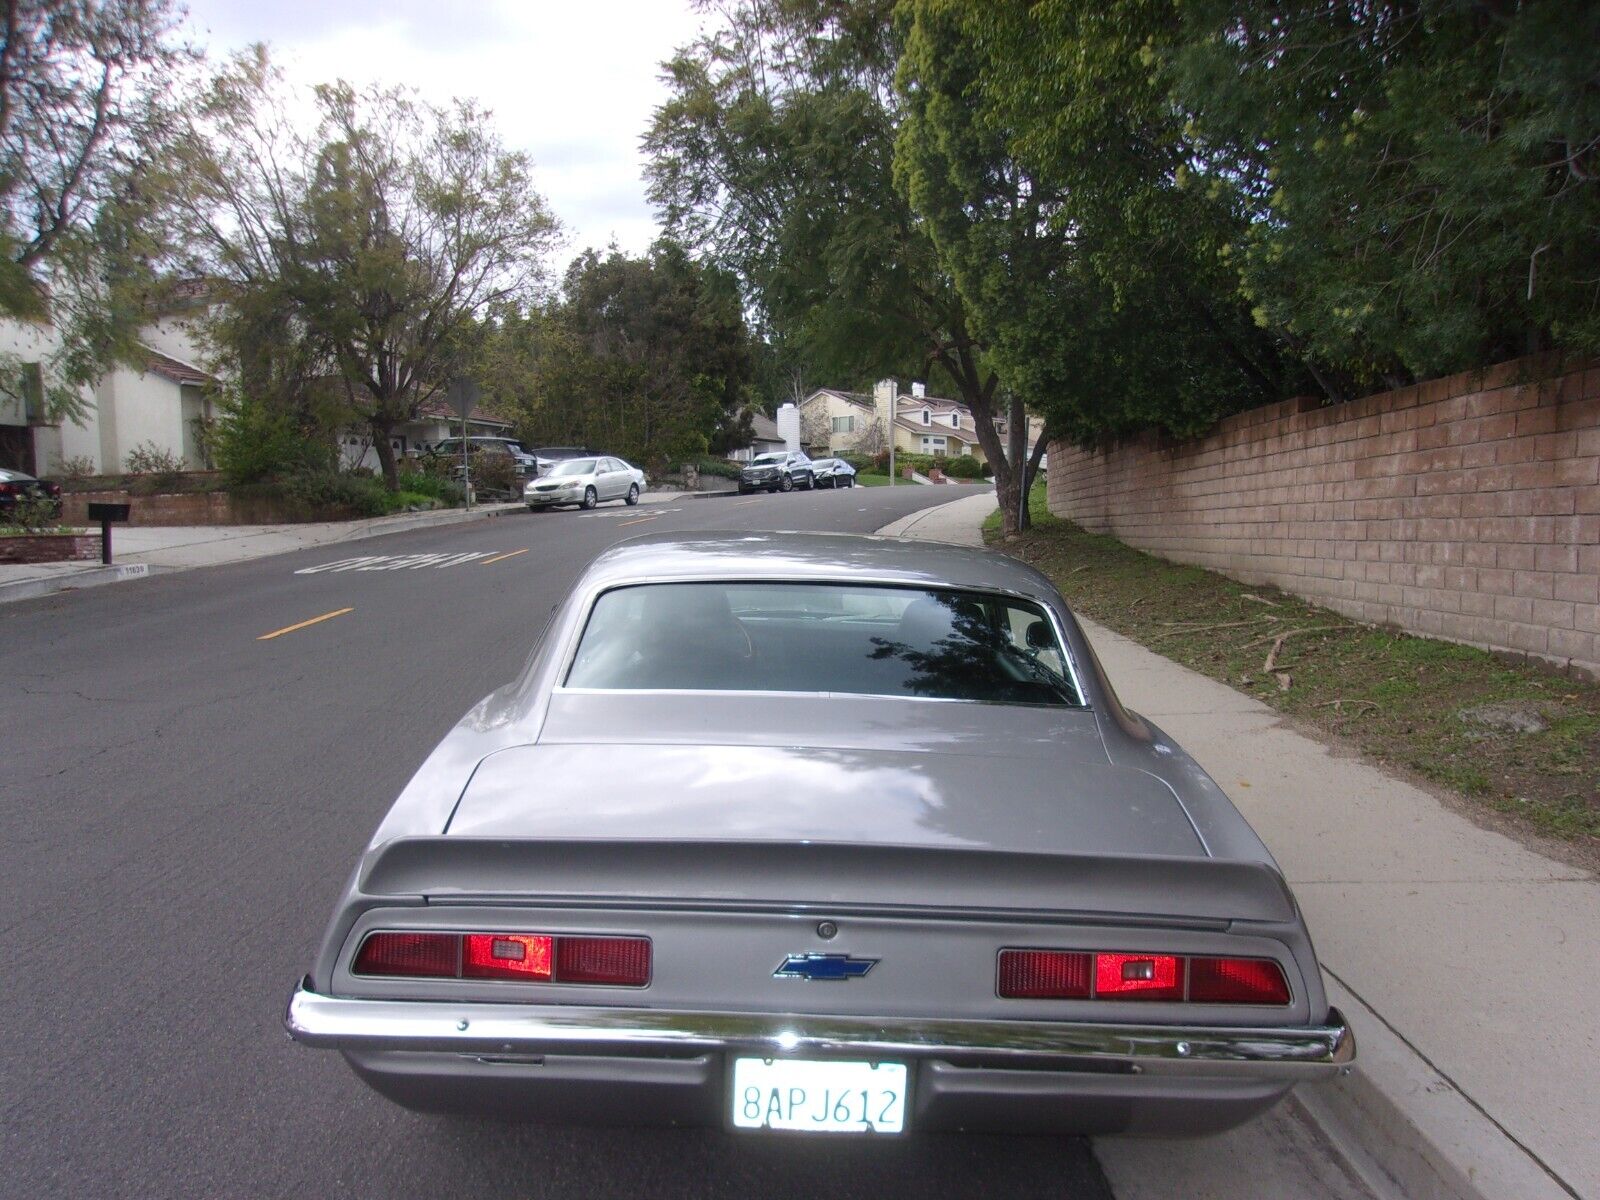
(28, 589)
(1407, 1131)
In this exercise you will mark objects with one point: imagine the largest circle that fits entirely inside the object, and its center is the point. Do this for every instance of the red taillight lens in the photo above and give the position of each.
(1237, 981)
(526, 957)
(414, 954)
(1138, 976)
(9, 489)
(506, 956)
(624, 962)
(1044, 974)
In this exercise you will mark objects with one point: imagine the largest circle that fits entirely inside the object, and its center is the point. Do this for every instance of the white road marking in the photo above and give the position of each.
(397, 562)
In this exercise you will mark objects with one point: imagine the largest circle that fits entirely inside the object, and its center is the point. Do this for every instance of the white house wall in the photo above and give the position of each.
(149, 409)
(29, 342)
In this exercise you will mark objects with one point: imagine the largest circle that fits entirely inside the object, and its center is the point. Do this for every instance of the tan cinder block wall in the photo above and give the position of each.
(1465, 508)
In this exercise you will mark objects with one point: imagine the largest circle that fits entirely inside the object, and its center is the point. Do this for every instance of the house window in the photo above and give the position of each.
(32, 393)
(934, 446)
(955, 420)
(927, 417)
(844, 424)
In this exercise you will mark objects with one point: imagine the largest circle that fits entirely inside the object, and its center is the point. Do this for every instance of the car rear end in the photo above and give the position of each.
(17, 487)
(959, 953)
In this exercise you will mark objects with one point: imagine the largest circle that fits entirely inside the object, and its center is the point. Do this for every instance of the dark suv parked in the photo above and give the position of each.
(777, 471)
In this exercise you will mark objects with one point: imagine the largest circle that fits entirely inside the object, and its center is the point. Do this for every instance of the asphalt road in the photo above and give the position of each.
(181, 801)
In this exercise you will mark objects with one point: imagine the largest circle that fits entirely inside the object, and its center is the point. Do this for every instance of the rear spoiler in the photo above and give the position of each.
(838, 877)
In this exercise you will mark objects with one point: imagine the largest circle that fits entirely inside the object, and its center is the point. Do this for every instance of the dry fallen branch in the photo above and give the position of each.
(1289, 633)
(1338, 705)
(1210, 628)
(1259, 599)
(1285, 680)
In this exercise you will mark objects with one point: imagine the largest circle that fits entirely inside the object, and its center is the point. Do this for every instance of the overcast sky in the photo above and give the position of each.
(571, 82)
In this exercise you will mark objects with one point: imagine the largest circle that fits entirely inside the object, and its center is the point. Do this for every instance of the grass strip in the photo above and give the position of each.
(1399, 698)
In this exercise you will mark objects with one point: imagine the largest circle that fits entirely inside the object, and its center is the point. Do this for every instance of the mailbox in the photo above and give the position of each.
(106, 514)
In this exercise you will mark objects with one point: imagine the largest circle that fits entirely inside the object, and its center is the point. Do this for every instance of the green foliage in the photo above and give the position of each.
(646, 357)
(447, 492)
(84, 182)
(773, 156)
(355, 260)
(74, 468)
(962, 466)
(258, 441)
(31, 514)
(147, 458)
(720, 467)
(1422, 182)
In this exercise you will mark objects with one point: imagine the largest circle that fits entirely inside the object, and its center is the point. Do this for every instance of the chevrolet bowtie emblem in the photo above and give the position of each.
(823, 966)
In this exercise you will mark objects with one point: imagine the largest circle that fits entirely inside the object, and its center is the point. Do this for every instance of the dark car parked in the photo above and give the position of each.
(451, 448)
(777, 471)
(833, 472)
(19, 485)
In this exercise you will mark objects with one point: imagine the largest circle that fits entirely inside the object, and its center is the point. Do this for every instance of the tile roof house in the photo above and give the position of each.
(835, 421)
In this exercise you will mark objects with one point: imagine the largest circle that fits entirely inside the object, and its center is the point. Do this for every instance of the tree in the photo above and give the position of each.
(1040, 147)
(362, 253)
(773, 157)
(1422, 179)
(649, 356)
(82, 181)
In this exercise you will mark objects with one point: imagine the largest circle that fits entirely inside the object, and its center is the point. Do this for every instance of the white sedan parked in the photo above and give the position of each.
(585, 482)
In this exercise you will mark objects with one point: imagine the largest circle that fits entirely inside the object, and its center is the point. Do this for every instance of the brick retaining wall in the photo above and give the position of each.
(50, 547)
(191, 508)
(1466, 508)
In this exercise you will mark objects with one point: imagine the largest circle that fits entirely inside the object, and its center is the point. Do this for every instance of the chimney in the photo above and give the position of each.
(788, 422)
(919, 390)
(883, 402)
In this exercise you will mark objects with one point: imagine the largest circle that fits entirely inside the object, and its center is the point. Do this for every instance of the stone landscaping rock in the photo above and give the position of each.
(1506, 718)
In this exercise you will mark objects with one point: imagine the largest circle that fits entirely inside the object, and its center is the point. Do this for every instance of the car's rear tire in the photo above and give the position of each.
(811, 482)
(590, 498)
(786, 484)
(850, 482)
(633, 494)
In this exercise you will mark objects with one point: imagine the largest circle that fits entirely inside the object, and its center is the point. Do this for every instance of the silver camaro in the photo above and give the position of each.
(819, 833)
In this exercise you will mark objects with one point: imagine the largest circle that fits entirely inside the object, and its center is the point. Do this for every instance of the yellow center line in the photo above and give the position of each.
(639, 520)
(267, 637)
(503, 557)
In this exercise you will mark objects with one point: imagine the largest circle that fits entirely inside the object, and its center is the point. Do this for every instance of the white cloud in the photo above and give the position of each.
(572, 84)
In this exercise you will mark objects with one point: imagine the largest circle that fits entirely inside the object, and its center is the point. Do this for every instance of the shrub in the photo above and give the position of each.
(963, 466)
(708, 465)
(435, 487)
(31, 514)
(255, 443)
(494, 473)
(71, 470)
(147, 458)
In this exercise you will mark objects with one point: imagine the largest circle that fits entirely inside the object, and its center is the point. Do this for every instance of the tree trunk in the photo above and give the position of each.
(381, 431)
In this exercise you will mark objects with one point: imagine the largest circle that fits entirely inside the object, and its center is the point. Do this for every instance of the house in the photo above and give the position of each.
(764, 438)
(162, 401)
(434, 422)
(835, 421)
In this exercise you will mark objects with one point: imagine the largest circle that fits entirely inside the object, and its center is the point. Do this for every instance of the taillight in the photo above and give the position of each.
(1129, 975)
(1237, 981)
(525, 957)
(9, 489)
(415, 954)
(1045, 974)
(506, 956)
(624, 962)
(1138, 976)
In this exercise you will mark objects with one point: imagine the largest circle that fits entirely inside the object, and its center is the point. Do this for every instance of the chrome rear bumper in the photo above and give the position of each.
(1291, 1055)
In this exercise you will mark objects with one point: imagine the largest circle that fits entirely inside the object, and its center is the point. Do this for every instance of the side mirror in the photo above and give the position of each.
(1039, 637)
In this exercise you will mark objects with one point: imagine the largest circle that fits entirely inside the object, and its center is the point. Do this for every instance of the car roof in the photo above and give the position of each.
(843, 558)
(14, 476)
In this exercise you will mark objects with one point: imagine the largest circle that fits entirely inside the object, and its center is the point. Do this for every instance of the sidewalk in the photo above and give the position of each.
(1468, 965)
(142, 549)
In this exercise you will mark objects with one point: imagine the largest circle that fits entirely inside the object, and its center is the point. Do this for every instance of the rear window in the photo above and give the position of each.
(808, 637)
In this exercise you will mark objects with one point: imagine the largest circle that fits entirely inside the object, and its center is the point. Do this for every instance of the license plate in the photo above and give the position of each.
(819, 1097)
